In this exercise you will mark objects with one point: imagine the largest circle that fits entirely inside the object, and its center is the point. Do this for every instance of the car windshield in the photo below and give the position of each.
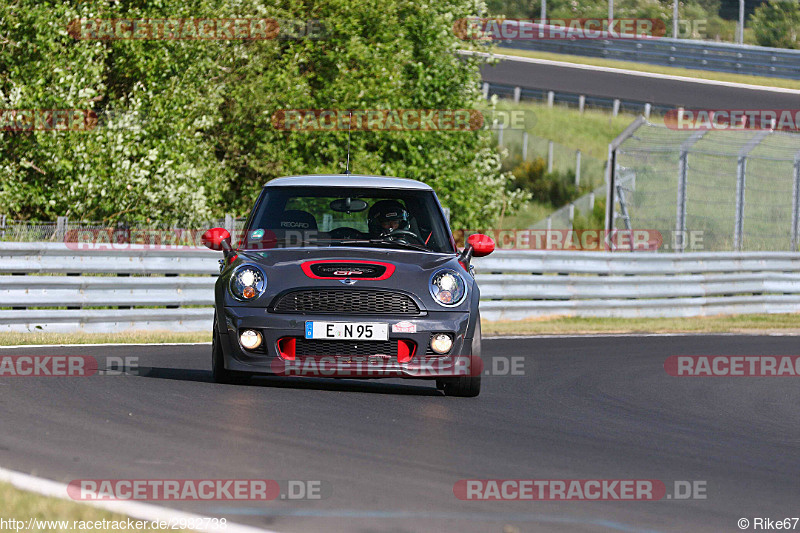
(336, 216)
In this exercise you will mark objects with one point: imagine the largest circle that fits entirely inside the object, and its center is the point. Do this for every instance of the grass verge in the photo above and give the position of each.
(22, 505)
(590, 131)
(530, 213)
(132, 337)
(656, 69)
(764, 323)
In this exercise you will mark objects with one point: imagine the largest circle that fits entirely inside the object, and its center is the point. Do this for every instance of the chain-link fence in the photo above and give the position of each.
(564, 217)
(588, 171)
(710, 190)
(66, 230)
(579, 169)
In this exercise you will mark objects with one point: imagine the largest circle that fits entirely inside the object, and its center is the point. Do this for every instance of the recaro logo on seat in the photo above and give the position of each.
(294, 224)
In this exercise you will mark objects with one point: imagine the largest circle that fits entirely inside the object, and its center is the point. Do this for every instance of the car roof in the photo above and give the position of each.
(348, 180)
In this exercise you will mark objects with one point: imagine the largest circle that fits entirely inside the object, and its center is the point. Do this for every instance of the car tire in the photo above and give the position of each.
(219, 373)
(466, 386)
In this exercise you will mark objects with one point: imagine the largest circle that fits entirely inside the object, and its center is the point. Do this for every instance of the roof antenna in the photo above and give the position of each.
(349, 125)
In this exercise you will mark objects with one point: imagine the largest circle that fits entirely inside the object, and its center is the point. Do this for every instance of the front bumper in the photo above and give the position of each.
(421, 364)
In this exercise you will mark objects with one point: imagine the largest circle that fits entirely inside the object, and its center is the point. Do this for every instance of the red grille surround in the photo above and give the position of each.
(290, 348)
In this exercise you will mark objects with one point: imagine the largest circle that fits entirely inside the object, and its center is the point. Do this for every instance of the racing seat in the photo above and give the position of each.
(295, 219)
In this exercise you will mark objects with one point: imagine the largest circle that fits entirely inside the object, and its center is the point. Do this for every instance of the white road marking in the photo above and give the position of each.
(685, 334)
(106, 344)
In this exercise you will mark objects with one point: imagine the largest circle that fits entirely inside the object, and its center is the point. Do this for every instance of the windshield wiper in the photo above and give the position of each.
(404, 244)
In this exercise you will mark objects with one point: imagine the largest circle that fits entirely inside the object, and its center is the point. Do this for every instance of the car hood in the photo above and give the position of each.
(406, 260)
(286, 269)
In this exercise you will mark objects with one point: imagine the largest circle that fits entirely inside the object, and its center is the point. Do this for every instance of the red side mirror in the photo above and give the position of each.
(481, 244)
(217, 239)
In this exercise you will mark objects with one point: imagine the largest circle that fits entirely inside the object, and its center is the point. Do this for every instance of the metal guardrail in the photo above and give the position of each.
(129, 275)
(683, 53)
(46, 257)
(579, 101)
(106, 320)
(173, 289)
(530, 284)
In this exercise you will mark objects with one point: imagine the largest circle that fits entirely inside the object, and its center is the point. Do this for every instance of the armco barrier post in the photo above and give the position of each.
(577, 168)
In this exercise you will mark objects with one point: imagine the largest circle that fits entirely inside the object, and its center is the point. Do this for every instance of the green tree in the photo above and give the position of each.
(777, 23)
(185, 130)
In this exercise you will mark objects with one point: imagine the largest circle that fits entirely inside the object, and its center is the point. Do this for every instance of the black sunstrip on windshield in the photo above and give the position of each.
(331, 216)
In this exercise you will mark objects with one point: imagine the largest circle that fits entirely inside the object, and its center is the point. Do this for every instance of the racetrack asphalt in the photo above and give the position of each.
(389, 452)
(657, 90)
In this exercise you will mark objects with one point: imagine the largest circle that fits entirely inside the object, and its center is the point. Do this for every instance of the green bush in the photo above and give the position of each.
(693, 10)
(555, 188)
(596, 219)
(777, 23)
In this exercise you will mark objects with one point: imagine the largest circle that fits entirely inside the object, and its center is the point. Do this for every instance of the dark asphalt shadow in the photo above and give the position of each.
(329, 384)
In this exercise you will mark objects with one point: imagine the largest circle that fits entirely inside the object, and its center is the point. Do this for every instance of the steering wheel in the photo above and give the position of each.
(345, 232)
(400, 234)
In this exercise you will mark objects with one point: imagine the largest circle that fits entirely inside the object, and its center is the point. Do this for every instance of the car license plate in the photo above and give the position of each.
(347, 331)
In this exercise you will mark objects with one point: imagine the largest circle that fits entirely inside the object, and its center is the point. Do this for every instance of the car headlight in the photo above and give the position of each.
(448, 288)
(248, 282)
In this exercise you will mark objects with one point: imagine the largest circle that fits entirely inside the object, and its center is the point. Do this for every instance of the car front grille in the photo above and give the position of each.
(321, 347)
(346, 301)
